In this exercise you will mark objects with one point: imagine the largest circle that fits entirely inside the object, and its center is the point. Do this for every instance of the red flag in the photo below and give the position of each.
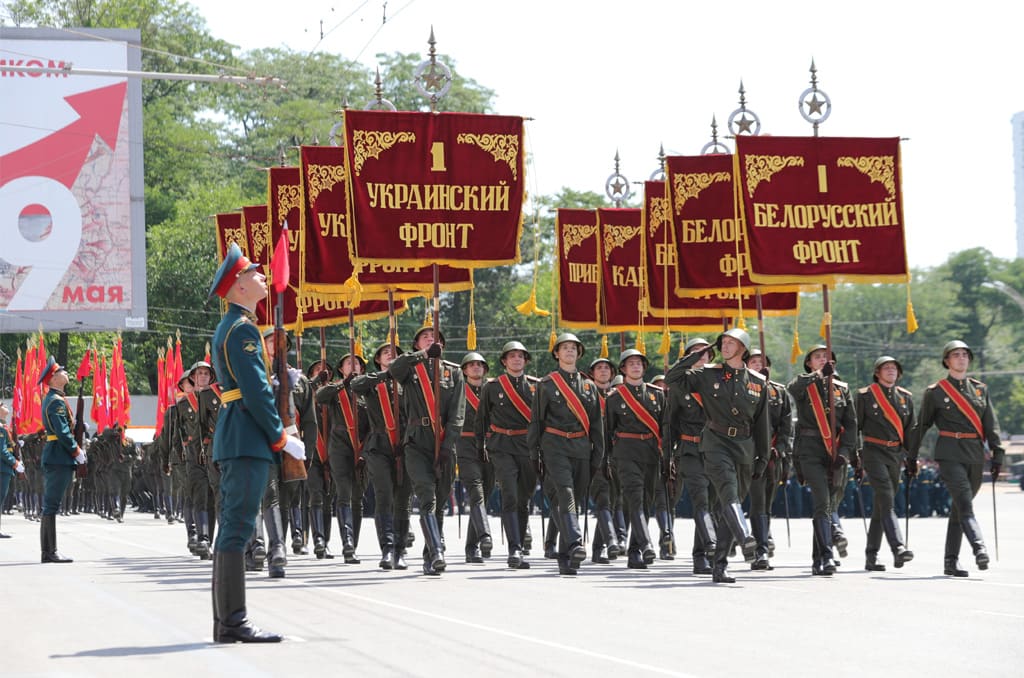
(85, 367)
(161, 393)
(279, 266)
(17, 398)
(100, 413)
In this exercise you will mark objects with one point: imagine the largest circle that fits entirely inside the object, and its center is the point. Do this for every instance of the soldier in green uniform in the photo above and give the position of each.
(472, 460)
(124, 458)
(633, 414)
(819, 458)
(604, 487)
(60, 455)
(319, 490)
(249, 438)
(885, 417)
(501, 426)
(9, 464)
(736, 441)
(170, 450)
(197, 458)
(762, 491)
(959, 407)
(685, 420)
(427, 471)
(566, 441)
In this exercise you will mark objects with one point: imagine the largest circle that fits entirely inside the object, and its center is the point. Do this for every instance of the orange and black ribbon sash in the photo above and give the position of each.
(963, 405)
(472, 398)
(820, 418)
(888, 410)
(572, 399)
(389, 415)
(641, 412)
(350, 419)
(193, 401)
(428, 392)
(699, 399)
(514, 396)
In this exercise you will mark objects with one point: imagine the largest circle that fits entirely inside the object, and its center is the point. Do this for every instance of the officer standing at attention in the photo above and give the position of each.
(960, 408)
(60, 455)
(566, 441)
(9, 464)
(249, 435)
(736, 441)
(885, 416)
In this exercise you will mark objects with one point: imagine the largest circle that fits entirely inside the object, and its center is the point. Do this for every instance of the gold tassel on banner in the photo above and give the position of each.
(666, 342)
(354, 290)
(742, 323)
(826, 321)
(471, 330)
(911, 318)
(796, 351)
(604, 346)
(682, 344)
(551, 341)
(529, 306)
(640, 345)
(359, 343)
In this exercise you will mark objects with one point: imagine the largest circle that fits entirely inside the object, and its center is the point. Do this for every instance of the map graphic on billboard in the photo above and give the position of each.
(72, 231)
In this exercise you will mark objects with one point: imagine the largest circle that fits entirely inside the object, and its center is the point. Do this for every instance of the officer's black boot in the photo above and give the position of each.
(951, 563)
(972, 531)
(759, 523)
(737, 523)
(639, 531)
(473, 542)
(839, 540)
(401, 544)
(48, 538)
(478, 521)
(874, 543)
(891, 526)
(621, 527)
(439, 518)
(720, 572)
(524, 523)
(259, 544)
(551, 538)
(664, 536)
(386, 537)
(606, 528)
(434, 563)
(634, 553)
(348, 539)
(298, 542)
(516, 560)
(275, 541)
(231, 621)
(598, 551)
(823, 564)
(326, 513)
(203, 535)
(316, 519)
(190, 530)
(572, 540)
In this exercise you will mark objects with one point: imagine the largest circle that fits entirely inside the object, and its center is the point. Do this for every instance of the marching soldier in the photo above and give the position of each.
(60, 456)
(502, 424)
(736, 440)
(198, 439)
(9, 464)
(960, 408)
(428, 472)
(472, 459)
(819, 458)
(633, 418)
(124, 458)
(762, 491)
(604, 486)
(319, 490)
(885, 417)
(248, 437)
(566, 440)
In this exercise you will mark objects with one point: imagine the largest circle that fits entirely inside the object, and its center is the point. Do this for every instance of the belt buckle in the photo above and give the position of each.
(731, 432)
(960, 435)
(425, 421)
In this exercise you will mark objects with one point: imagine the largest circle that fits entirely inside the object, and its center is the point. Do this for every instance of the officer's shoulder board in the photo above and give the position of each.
(530, 377)
(757, 375)
(448, 363)
(864, 391)
(904, 391)
(712, 366)
(660, 388)
(840, 384)
(932, 386)
(976, 382)
(546, 377)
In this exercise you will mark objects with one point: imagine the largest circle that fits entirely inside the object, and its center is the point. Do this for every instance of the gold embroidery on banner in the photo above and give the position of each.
(617, 236)
(502, 147)
(260, 231)
(880, 168)
(574, 234)
(763, 167)
(370, 144)
(690, 185)
(287, 200)
(237, 236)
(658, 215)
(323, 178)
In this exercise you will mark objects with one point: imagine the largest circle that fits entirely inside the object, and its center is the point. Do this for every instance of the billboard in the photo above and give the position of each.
(72, 219)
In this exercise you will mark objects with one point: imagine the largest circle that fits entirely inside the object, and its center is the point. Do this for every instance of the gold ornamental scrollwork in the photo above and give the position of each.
(879, 168)
(502, 147)
(323, 178)
(574, 234)
(260, 231)
(617, 236)
(237, 236)
(370, 144)
(764, 167)
(659, 215)
(287, 200)
(687, 186)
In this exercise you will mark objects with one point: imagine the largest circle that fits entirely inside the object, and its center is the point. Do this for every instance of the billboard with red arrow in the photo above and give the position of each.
(72, 222)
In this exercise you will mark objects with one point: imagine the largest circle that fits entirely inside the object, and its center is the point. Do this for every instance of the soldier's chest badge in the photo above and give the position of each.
(250, 347)
(533, 389)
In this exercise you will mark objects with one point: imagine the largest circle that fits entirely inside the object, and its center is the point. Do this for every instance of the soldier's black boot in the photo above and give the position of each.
(720, 572)
(299, 547)
(48, 541)
(473, 555)
(348, 535)
(478, 522)
(259, 544)
(275, 540)
(434, 563)
(516, 559)
(316, 520)
(874, 543)
(327, 516)
(759, 523)
(386, 537)
(640, 535)
(551, 539)
(737, 523)
(972, 531)
(524, 523)
(951, 568)
(891, 525)
(951, 562)
(203, 535)
(606, 528)
(572, 540)
(823, 564)
(598, 551)
(705, 541)
(231, 621)
(621, 528)
(401, 544)
(664, 536)
(839, 540)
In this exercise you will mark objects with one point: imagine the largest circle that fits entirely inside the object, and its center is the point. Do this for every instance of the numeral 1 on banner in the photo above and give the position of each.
(437, 155)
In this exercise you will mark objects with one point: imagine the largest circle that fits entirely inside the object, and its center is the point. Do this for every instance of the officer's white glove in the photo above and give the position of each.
(19, 467)
(80, 458)
(295, 448)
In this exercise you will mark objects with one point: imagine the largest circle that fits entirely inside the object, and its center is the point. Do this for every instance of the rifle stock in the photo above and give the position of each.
(291, 469)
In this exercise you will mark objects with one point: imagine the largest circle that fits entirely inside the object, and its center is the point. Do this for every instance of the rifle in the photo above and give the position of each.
(81, 470)
(291, 469)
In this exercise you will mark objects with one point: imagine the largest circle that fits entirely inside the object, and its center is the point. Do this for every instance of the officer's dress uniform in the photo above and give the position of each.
(762, 491)
(636, 448)
(883, 444)
(58, 462)
(408, 370)
(960, 452)
(571, 448)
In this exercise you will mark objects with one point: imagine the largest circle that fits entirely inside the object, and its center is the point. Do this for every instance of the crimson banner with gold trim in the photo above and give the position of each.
(822, 210)
(231, 229)
(326, 252)
(428, 188)
(578, 278)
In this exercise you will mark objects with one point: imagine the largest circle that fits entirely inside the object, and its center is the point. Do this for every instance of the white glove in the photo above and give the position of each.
(19, 467)
(80, 458)
(295, 448)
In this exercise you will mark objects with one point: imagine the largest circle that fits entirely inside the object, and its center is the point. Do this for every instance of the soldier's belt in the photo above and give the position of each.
(957, 434)
(564, 434)
(50, 437)
(509, 431)
(422, 421)
(689, 439)
(634, 436)
(231, 395)
(882, 443)
(810, 433)
(730, 431)
(468, 434)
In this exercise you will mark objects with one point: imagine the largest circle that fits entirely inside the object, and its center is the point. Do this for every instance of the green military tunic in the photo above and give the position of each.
(634, 447)
(58, 459)
(503, 429)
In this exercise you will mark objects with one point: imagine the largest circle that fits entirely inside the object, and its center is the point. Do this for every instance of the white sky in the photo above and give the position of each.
(600, 77)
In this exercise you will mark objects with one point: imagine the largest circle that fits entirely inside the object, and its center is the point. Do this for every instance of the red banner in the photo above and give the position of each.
(432, 188)
(822, 210)
(578, 276)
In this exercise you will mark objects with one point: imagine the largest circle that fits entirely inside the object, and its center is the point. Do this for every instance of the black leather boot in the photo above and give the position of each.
(823, 563)
(401, 544)
(641, 536)
(473, 556)
(951, 568)
(901, 554)
(572, 540)
(386, 537)
(551, 538)
(299, 547)
(598, 551)
(705, 542)
(737, 524)
(516, 559)
(316, 520)
(524, 523)
(759, 523)
(972, 531)
(275, 540)
(720, 571)
(48, 541)
(664, 536)
(839, 540)
(231, 622)
(434, 563)
(348, 535)
(326, 513)
(482, 531)
(203, 535)
(621, 527)
(606, 528)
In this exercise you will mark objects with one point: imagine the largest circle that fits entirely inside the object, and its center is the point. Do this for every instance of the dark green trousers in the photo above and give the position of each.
(243, 482)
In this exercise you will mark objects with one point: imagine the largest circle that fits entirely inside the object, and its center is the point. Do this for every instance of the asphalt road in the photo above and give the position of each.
(135, 602)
